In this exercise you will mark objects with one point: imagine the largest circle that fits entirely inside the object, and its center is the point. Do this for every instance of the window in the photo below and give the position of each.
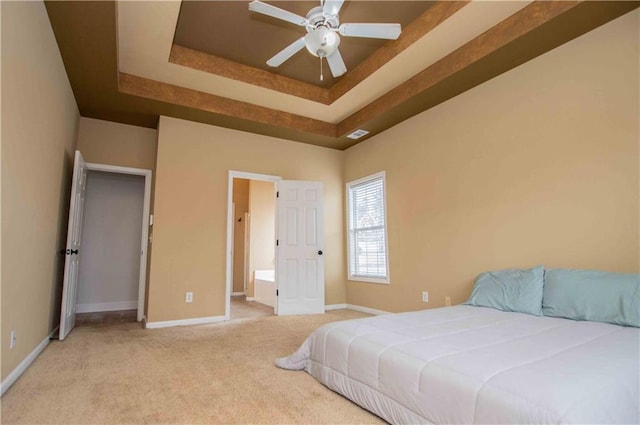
(366, 210)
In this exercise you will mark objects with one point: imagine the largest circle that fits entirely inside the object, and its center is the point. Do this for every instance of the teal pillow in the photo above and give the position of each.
(510, 290)
(592, 295)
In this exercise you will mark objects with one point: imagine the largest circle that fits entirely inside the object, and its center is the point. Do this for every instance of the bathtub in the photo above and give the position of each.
(265, 287)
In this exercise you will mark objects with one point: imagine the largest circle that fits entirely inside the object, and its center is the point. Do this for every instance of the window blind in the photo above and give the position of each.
(367, 235)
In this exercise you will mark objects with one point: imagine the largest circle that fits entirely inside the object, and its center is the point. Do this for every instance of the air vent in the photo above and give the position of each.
(358, 134)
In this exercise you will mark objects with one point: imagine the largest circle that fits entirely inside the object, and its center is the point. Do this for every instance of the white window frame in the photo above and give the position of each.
(349, 185)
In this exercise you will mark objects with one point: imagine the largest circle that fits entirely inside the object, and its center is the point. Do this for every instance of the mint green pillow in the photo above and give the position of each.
(510, 290)
(592, 295)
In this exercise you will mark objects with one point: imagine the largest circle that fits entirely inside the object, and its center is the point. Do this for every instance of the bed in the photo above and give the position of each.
(472, 364)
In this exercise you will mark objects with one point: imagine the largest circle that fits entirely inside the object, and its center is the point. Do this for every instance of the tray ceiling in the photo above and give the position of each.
(133, 61)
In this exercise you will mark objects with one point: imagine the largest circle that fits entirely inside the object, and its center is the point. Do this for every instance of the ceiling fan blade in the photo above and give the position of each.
(276, 12)
(332, 7)
(336, 64)
(388, 31)
(286, 53)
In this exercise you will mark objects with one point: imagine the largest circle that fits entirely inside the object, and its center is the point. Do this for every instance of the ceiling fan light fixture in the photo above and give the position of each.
(322, 41)
(323, 33)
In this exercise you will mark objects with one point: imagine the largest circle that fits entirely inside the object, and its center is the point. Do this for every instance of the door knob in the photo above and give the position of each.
(74, 251)
(319, 252)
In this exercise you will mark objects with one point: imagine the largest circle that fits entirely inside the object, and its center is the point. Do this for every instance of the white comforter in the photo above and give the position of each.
(467, 364)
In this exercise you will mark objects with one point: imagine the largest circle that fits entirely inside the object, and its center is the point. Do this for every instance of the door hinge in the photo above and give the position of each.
(277, 292)
(277, 242)
(277, 194)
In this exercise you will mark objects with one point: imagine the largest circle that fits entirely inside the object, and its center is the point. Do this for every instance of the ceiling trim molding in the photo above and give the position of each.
(156, 90)
(522, 22)
(212, 64)
(429, 20)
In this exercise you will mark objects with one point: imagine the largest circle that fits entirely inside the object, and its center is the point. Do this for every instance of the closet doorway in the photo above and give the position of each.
(111, 233)
(107, 239)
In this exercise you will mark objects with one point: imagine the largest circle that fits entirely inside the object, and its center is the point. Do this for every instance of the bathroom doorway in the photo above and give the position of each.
(253, 292)
(296, 259)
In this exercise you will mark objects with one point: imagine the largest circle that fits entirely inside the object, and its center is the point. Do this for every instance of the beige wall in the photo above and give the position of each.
(40, 119)
(111, 143)
(262, 213)
(537, 166)
(191, 211)
(241, 201)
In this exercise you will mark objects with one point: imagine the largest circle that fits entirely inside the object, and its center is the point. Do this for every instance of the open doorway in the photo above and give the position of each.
(76, 258)
(239, 272)
(297, 259)
(253, 270)
(110, 263)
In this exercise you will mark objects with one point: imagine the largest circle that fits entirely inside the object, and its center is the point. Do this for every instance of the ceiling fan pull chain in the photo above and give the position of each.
(321, 76)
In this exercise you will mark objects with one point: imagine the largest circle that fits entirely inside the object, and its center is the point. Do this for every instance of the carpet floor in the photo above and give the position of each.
(243, 309)
(206, 374)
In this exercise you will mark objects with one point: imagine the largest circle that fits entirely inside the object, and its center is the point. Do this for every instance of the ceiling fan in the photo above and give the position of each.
(323, 33)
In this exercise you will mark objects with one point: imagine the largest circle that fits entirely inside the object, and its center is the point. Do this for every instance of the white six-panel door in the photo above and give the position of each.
(72, 251)
(300, 236)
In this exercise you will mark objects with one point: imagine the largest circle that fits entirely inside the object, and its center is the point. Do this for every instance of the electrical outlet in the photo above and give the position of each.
(188, 298)
(12, 341)
(447, 301)
(425, 297)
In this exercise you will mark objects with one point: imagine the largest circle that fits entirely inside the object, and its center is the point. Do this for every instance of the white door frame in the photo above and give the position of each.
(245, 254)
(238, 175)
(142, 281)
(233, 242)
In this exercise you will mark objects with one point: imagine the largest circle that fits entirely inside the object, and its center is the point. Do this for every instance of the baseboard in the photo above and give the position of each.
(354, 307)
(235, 294)
(24, 364)
(366, 309)
(250, 299)
(116, 306)
(335, 307)
(184, 322)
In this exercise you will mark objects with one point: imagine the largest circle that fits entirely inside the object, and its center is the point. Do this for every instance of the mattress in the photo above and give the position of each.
(467, 364)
